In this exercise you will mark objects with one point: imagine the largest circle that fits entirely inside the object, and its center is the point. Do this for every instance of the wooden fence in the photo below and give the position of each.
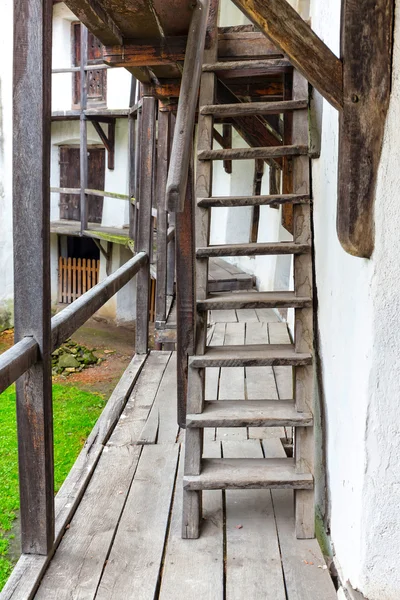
(75, 277)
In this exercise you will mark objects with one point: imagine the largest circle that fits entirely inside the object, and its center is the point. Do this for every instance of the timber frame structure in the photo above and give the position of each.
(216, 62)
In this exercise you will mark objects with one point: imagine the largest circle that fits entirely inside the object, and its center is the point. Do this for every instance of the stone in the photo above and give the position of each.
(67, 361)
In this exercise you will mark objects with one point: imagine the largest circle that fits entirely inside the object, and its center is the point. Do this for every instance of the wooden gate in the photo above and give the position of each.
(75, 277)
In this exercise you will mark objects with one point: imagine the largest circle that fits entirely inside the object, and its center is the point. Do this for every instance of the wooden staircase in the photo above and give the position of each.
(235, 473)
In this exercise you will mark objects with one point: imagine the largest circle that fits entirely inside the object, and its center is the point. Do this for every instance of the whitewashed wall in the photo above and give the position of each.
(359, 308)
(6, 252)
(122, 307)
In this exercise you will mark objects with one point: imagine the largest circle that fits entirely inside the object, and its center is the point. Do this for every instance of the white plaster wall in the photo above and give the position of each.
(115, 212)
(118, 80)
(6, 249)
(359, 308)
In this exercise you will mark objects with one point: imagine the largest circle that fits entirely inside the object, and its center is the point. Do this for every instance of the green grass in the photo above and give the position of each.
(75, 413)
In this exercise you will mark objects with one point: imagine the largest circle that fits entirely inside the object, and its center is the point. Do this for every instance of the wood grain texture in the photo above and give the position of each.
(253, 562)
(253, 300)
(282, 24)
(253, 200)
(77, 566)
(253, 249)
(15, 361)
(32, 299)
(252, 153)
(250, 413)
(249, 473)
(245, 44)
(95, 17)
(186, 112)
(253, 108)
(362, 122)
(248, 356)
(144, 236)
(266, 66)
(163, 154)
(202, 575)
(134, 563)
(302, 580)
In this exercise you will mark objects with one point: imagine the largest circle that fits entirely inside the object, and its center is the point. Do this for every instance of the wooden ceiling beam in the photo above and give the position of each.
(96, 19)
(148, 53)
(294, 37)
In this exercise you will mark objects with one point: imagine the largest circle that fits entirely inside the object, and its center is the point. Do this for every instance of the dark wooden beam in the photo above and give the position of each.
(143, 243)
(83, 153)
(92, 14)
(163, 155)
(284, 27)
(367, 39)
(32, 298)
(146, 53)
(108, 141)
(246, 44)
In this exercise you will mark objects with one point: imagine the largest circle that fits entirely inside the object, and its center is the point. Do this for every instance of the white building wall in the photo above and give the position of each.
(6, 248)
(358, 317)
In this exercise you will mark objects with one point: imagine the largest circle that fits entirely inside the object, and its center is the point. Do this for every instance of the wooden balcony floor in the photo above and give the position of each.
(124, 540)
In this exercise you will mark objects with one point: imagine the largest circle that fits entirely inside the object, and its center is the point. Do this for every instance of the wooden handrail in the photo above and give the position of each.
(18, 359)
(181, 147)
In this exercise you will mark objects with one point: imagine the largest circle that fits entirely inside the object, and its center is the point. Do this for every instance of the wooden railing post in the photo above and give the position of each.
(132, 160)
(83, 130)
(31, 215)
(185, 293)
(163, 152)
(144, 236)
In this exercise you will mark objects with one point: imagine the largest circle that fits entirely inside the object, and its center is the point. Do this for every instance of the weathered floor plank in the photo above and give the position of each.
(135, 415)
(232, 381)
(76, 568)
(194, 569)
(305, 572)
(161, 425)
(133, 567)
(253, 562)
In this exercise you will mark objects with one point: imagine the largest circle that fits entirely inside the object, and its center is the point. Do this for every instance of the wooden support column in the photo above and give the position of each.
(132, 160)
(83, 130)
(163, 151)
(31, 216)
(185, 298)
(304, 340)
(144, 236)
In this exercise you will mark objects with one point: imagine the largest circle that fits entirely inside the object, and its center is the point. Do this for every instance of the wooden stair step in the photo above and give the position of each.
(253, 355)
(253, 249)
(248, 473)
(267, 65)
(253, 200)
(250, 413)
(263, 153)
(253, 108)
(253, 300)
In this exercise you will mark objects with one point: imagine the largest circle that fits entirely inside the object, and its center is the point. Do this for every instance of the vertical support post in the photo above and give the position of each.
(83, 130)
(144, 238)
(189, 379)
(185, 297)
(132, 161)
(171, 223)
(163, 151)
(287, 166)
(304, 436)
(31, 217)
